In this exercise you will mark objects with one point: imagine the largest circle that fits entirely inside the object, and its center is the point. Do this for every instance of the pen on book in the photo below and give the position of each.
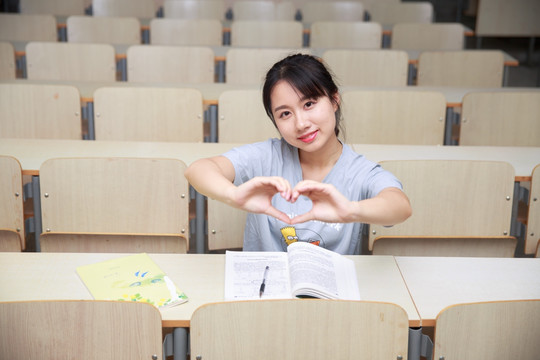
(263, 284)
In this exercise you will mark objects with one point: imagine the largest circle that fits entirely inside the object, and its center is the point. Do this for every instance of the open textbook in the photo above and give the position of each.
(131, 278)
(305, 270)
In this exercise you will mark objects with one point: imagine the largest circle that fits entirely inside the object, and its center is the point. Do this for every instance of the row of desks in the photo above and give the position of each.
(422, 286)
(31, 153)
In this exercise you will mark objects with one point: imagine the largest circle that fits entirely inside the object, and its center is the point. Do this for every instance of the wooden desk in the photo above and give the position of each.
(33, 152)
(48, 276)
(435, 283)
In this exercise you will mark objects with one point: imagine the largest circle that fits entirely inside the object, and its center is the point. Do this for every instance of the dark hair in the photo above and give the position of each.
(308, 75)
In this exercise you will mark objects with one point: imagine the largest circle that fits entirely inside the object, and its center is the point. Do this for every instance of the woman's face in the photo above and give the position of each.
(307, 124)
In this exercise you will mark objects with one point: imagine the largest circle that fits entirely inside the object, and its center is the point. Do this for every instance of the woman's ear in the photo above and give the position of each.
(336, 101)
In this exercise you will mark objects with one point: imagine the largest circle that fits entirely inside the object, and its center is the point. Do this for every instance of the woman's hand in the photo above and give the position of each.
(329, 205)
(391, 206)
(256, 195)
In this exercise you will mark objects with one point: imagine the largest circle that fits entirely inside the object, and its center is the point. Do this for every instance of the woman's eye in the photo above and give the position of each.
(284, 114)
(309, 104)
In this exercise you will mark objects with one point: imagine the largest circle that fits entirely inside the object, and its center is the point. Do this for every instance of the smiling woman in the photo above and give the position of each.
(307, 182)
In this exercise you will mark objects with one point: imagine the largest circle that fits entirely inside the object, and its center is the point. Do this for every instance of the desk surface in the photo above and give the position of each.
(33, 152)
(48, 276)
(436, 283)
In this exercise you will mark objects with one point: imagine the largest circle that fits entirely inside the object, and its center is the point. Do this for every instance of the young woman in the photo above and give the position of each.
(308, 185)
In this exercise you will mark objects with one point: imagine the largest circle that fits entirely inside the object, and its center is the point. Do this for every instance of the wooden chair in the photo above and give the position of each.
(272, 330)
(368, 67)
(52, 7)
(12, 234)
(70, 61)
(54, 330)
(266, 34)
(451, 199)
(197, 32)
(40, 111)
(225, 226)
(148, 114)
(532, 237)
(242, 118)
(394, 117)
(347, 34)
(142, 9)
(194, 9)
(500, 119)
(464, 68)
(27, 27)
(313, 11)
(249, 65)
(428, 36)
(115, 197)
(488, 330)
(170, 64)
(390, 13)
(8, 69)
(105, 30)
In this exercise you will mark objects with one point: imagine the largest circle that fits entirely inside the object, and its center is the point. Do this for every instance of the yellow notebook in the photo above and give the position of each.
(131, 278)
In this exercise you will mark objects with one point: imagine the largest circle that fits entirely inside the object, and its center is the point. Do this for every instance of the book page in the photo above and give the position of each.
(321, 273)
(244, 272)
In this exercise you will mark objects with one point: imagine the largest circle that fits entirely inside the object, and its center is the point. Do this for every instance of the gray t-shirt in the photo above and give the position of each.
(353, 175)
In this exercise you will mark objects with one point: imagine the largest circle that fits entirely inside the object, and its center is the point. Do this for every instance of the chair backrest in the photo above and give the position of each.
(242, 118)
(263, 10)
(488, 330)
(8, 70)
(368, 67)
(390, 13)
(269, 34)
(532, 237)
(148, 114)
(249, 65)
(115, 196)
(142, 9)
(225, 226)
(105, 30)
(70, 61)
(348, 34)
(11, 198)
(53, 330)
(198, 32)
(194, 9)
(40, 111)
(332, 11)
(452, 198)
(428, 36)
(241, 329)
(52, 7)
(26, 27)
(394, 117)
(170, 64)
(500, 119)
(464, 68)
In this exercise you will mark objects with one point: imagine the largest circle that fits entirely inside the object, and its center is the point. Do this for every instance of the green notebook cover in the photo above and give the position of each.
(131, 278)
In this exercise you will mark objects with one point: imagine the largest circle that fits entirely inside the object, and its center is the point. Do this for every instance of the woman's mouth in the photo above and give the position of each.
(308, 138)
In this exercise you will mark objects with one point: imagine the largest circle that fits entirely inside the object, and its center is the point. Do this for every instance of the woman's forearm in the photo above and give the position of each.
(391, 206)
(212, 177)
